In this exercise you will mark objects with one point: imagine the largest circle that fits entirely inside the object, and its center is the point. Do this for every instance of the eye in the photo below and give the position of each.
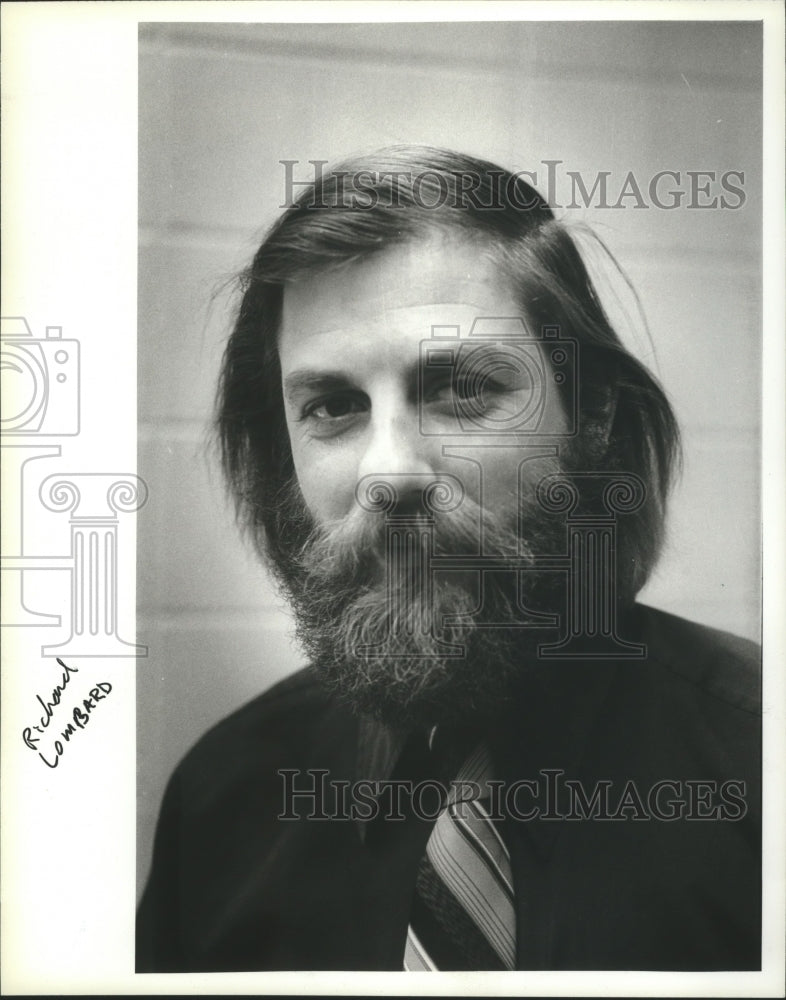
(474, 388)
(483, 388)
(332, 414)
(336, 406)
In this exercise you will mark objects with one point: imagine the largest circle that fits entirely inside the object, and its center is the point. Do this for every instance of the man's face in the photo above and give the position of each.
(351, 360)
(391, 632)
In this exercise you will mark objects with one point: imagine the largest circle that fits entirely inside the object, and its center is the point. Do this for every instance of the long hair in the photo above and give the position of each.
(398, 195)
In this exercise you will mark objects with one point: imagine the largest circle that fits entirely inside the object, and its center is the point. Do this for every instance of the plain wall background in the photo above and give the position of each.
(220, 105)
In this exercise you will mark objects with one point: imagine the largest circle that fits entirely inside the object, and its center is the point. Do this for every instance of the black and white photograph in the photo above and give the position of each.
(428, 599)
(459, 474)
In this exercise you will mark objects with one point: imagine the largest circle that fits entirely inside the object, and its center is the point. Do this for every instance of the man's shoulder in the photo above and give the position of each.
(274, 729)
(720, 664)
(300, 692)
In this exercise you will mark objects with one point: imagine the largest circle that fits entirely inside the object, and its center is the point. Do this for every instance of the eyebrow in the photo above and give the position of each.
(308, 380)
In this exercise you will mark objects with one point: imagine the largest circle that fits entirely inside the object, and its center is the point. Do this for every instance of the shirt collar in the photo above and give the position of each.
(547, 724)
(379, 749)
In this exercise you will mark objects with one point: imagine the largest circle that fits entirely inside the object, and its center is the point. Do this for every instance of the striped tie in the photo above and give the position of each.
(463, 916)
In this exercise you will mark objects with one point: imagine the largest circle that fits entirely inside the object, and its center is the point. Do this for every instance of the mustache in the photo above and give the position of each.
(395, 641)
(359, 546)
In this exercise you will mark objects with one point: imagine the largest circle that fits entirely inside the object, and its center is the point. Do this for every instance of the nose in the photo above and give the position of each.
(398, 454)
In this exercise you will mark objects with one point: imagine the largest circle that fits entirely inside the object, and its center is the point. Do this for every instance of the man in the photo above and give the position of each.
(495, 759)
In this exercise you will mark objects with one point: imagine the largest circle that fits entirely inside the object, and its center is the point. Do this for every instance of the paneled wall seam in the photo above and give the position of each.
(179, 44)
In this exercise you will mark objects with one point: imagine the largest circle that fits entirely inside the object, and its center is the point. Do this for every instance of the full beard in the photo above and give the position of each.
(412, 647)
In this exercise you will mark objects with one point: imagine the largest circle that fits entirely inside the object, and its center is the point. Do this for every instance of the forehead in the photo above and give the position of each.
(395, 293)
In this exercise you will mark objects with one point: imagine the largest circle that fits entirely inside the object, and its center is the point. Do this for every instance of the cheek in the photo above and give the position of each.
(503, 488)
(499, 487)
(327, 479)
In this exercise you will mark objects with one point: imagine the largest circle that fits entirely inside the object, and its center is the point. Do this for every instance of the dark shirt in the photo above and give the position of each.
(614, 884)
